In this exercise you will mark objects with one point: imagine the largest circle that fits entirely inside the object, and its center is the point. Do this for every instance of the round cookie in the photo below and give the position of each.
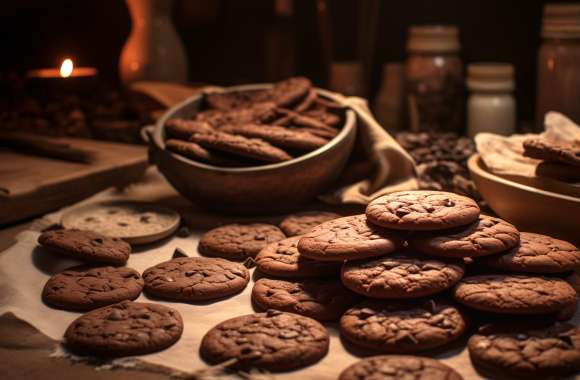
(182, 129)
(234, 99)
(515, 351)
(542, 149)
(303, 222)
(282, 259)
(290, 91)
(87, 288)
(86, 245)
(400, 276)
(124, 329)
(195, 278)
(514, 294)
(198, 153)
(238, 145)
(238, 241)
(323, 300)
(402, 327)
(398, 367)
(348, 238)
(487, 236)
(537, 254)
(278, 136)
(422, 210)
(256, 113)
(274, 341)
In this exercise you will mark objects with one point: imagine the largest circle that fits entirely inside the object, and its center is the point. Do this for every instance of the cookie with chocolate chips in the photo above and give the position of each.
(278, 136)
(515, 294)
(256, 113)
(486, 236)
(182, 129)
(537, 254)
(302, 222)
(513, 350)
(400, 276)
(273, 341)
(542, 149)
(323, 300)
(422, 210)
(195, 278)
(398, 367)
(239, 241)
(402, 327)
(282, 259)
(198, 153)
(235, 99)
(86, 245)
(124, 329)
(348, 238)
(87, 288)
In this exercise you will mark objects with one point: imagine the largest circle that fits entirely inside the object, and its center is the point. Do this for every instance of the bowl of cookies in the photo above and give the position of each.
(254, 148)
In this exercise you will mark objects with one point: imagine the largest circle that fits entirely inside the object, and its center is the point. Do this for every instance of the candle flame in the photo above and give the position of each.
(66, 68)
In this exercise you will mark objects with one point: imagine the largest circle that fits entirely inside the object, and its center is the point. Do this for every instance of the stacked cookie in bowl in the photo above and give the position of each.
(418, 265)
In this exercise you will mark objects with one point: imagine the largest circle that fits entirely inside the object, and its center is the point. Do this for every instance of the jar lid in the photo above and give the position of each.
(561, 21)
(433, 38)
(490, 76)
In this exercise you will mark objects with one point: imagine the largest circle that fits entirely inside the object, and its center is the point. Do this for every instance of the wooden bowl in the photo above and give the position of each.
(264, 189)
(530, 209)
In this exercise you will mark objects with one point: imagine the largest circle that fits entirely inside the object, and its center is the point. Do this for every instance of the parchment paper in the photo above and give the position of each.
(24, 269)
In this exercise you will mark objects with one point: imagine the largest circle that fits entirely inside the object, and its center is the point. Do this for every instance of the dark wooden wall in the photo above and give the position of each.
(225, 39)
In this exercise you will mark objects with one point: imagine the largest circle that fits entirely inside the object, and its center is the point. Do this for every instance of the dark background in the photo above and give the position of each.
(226, 40)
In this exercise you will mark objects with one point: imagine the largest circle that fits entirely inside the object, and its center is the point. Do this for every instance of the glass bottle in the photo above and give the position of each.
(434, 78)
(491, 106)
(559, 63)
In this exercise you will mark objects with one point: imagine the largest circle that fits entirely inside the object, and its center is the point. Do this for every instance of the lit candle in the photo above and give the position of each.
(66, 79)
(67, 70)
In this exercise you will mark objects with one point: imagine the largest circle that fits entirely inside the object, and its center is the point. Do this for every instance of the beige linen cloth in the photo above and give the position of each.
(392, 168)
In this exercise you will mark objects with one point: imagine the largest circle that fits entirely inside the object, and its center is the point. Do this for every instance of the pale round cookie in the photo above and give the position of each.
(537, 254)
(195, 278)
(239, 241)
(282, 259)
(323, 300)
(486, 236)
(514, 350)
(422, 210)
(402, 327)
(400, 276)
(134, 222)
(124, 329)
(397, 367)
(515, 294)
(87, 288)
(274, 341)
(301, 223)
(348, 238)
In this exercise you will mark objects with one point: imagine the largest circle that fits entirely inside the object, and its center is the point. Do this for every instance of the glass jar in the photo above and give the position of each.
(434, 79)
(559, 63)
(491, 106)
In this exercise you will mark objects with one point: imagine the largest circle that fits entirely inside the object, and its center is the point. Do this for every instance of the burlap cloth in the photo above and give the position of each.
(378, 166)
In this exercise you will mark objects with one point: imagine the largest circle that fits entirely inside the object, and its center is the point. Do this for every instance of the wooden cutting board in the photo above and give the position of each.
(32, 185)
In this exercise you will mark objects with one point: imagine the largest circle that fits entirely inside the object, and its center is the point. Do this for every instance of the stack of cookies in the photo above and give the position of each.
(560, 161)
(256, 127)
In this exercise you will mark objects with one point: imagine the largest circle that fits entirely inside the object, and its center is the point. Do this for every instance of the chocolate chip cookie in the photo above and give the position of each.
(397, 367)
(124, 329)
(256, 113)
(301, 223)
(278, 136)
(282, 259)
(274, 341)
(402, 327)
(323, 300)
(290, 91)
(422, 210)
(182, 129)
(542, 149)
(348, 238)
(86, 245)
(238, 145)
(486, 236)
(400, 276)
(235, 99)
(195, 278)
(198, 153)
(323, 116)
(537, 254)
(515, 351)
(87, 288)
(514, 294)
(238, 241)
